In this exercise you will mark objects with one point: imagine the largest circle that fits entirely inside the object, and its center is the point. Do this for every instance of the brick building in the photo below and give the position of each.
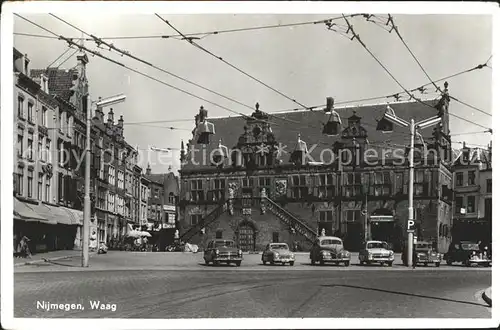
(472, 214)
(275, 178)
(46, 106)
(117, 173)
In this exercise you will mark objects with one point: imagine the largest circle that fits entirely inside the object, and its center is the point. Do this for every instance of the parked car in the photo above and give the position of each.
(376, 252)
(425, 254)
(329, 249)
(468, 253)
(220, 250)
(278, 253)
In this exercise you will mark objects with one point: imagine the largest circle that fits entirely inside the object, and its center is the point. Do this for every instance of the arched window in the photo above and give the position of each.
(171, 198)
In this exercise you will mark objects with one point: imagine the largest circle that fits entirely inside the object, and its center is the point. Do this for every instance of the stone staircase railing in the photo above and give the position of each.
(288, 218)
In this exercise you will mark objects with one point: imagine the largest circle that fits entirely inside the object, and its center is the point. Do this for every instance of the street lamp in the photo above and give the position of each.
(385, 124)
(86, 201)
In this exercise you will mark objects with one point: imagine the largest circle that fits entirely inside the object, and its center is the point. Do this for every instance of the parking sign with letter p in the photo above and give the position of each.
(411, 226)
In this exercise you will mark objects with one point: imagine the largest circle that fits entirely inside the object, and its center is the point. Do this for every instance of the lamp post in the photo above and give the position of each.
(385, 124)
(86, 200)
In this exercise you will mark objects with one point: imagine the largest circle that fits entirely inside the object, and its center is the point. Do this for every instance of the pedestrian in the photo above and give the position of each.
(23, 248)
(414, 258)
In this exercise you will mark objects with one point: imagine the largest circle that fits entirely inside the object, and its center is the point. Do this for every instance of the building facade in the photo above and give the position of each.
(283, 180)
(472, 216)
(115, 169)
(164, 198)
(41, 171)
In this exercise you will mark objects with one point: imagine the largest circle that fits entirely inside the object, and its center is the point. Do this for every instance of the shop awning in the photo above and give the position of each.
(54, 214)
(27, 213)
(75, 215)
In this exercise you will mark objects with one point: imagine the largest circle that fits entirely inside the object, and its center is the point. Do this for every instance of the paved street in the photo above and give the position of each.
(179, 285)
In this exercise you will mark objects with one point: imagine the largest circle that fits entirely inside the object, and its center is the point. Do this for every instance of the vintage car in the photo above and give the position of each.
(278, 253)
(376, 252)
(468, 253)
(222, 251)
(425, 254)
(329, 249)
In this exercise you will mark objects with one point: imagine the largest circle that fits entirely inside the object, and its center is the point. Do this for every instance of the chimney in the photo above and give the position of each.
(148, 170)
(26, 62)
(111, 119)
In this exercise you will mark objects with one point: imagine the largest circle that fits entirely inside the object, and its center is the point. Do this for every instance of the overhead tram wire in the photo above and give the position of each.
(57, 59)
(356, 36)
(190, 40)
(71, 42)
(395, 28)
(136, 71)
(100, 42)
(215, 32)
(480, 66)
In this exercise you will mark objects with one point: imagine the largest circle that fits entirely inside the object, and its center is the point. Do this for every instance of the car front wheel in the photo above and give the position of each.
(389, 264)
(449, 262)
(264, 262)
(438, 264)
(347, 263)
(238, 263)
(291, 263)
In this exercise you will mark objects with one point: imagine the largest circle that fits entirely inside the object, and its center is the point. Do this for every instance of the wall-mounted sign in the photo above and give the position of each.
(169, 208)
(168, 225)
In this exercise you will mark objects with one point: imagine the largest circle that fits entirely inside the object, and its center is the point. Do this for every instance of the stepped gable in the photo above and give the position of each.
(310, 125)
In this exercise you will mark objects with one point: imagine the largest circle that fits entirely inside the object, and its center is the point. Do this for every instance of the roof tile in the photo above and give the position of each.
(309, 125)
(60, 81)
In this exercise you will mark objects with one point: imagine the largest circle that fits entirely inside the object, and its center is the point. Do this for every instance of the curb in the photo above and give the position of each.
(486, 295)
(45, 260)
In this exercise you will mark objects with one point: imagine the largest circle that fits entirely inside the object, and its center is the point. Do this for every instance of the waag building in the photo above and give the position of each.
(292, 176)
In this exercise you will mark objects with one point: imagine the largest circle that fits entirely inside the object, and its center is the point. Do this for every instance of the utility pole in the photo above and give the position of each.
(366, 217)
(86, 199)
(410, 193)
(386, 124)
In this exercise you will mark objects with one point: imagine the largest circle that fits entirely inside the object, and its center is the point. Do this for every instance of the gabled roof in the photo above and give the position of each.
(157, 178)
(60, 81)
(309, 124)
(476, 156)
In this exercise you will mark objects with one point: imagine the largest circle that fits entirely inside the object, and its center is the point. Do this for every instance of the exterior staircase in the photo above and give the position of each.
(288, 218)
(282, 214)
(207, 220)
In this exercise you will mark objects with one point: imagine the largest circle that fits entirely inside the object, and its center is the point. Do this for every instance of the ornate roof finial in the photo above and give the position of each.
(257, 106)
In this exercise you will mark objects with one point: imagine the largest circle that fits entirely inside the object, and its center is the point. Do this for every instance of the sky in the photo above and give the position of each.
(307, 63)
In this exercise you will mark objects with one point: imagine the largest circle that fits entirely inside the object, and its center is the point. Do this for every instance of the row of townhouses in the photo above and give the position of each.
(49, 166)
(275, 178)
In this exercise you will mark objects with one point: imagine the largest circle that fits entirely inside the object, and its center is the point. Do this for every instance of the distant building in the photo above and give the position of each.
(472, 216)
(283, 177)
(163, 206)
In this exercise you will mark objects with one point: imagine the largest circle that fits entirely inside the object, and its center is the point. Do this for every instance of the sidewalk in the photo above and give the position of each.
(487, 296)
(41, 257)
